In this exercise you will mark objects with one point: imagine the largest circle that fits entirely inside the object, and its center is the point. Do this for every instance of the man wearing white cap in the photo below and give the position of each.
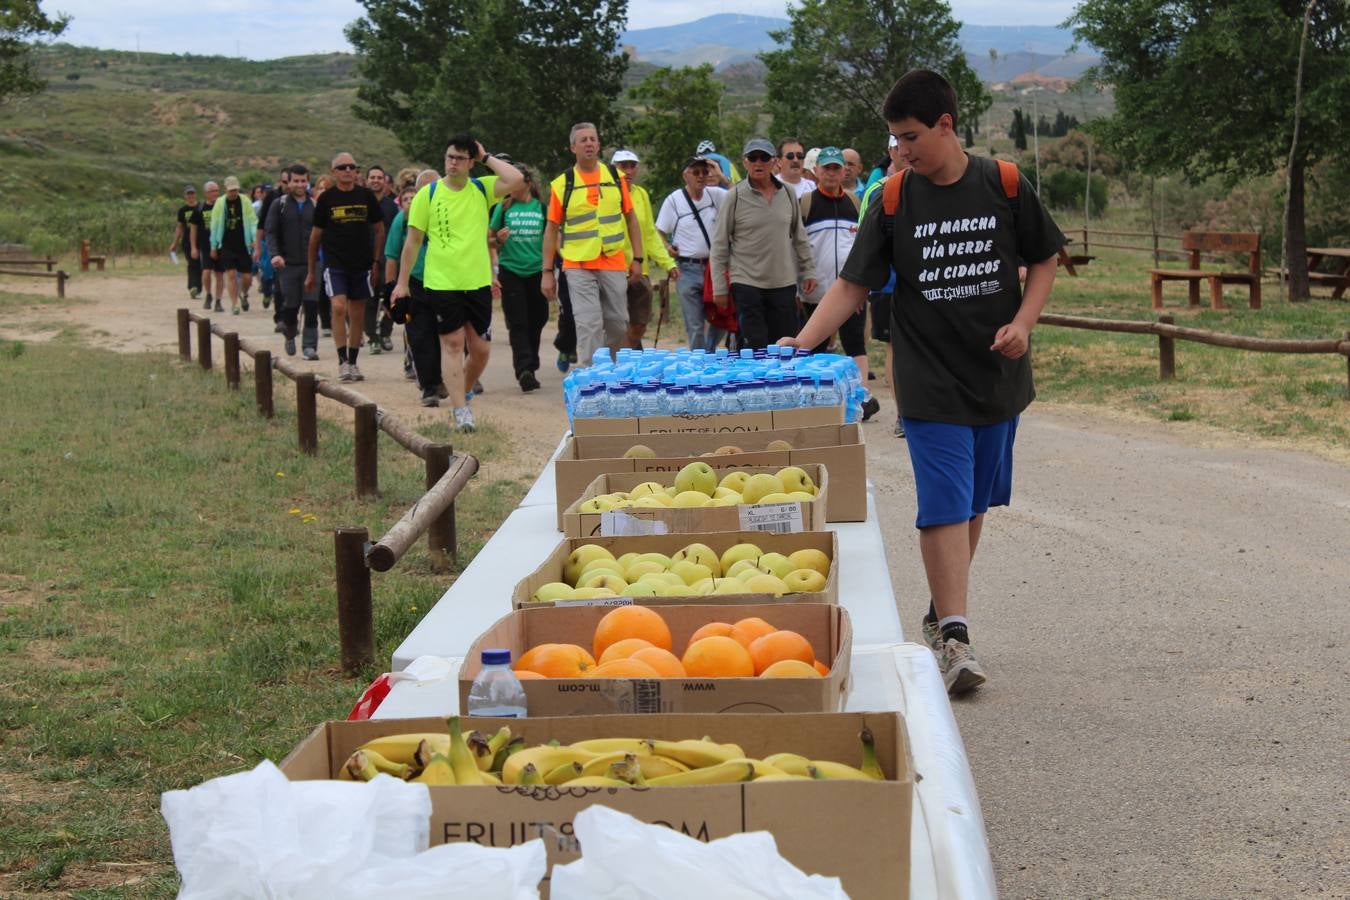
(640, 290)
(687, 219)
(233, 228)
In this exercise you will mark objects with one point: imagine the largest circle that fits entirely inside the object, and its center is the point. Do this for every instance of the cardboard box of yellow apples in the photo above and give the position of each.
(700, 498)
(722, 423)
(857, 830)
(722, 567)
(564, 692)
(839, 448)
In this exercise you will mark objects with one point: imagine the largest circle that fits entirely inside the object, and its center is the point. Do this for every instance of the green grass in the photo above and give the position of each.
(166, 599)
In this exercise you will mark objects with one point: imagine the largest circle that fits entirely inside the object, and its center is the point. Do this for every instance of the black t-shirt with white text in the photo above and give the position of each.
(185, 217)
(956, 252)
(233, 236)
(348, 219)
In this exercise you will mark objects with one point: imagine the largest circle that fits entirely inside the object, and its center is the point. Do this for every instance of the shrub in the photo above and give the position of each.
(1063, 189)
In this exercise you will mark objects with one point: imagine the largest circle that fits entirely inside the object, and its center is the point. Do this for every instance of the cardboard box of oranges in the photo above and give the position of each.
(644, 569)
(725, 500)
(582, 660)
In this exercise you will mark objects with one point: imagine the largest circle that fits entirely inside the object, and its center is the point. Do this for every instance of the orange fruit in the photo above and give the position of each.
(710, 630)
(780, 645)
(667, 664)
(631, 622)
(623, 668)
(821, 668)
(746, 630)
(790, 668)
(526, 674)
(718, 657)
(623, 649)
(557, 660)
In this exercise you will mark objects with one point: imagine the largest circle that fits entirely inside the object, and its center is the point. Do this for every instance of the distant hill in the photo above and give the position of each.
(728, 39)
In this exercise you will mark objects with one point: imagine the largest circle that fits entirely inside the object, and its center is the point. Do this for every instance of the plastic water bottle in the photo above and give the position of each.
(649, 400)
(755, 397)
(677, 400)
(590, 402)
(497, 692)
(731, 399)
(618, 404)
(704, 399)
(827, 393)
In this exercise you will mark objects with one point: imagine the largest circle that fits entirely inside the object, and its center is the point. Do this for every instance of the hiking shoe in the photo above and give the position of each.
(290, 346)
(387, 343)
(961, 671)
(194, 293)
(267, 300)
(409, 374)
(327, 332)
(563, 362)
(311, 354)
(279, 328)
(932, 635)
(354, 372)
(528, 382)
(899, 428)
(870, 407)
(207, 305)
(220, 308)
(235, 311)
(463, 418)
(344, 372)
(429, 398)
(243, 301)
(376, 348)
(477, 388)
(442, 392)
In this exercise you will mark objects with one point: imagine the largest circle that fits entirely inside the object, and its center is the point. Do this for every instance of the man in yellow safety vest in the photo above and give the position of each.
(589, 212)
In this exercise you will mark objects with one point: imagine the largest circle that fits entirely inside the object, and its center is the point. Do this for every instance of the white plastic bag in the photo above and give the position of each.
(259, 834)
(625, 859)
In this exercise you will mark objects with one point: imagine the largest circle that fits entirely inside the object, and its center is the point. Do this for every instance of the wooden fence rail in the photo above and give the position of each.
(1169, 333)
(60, 276)
(447, 474)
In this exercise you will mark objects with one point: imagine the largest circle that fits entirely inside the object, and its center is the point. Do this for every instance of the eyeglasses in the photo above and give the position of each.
(453, 158)
(758, 158)
(347, 167)
(794, 156)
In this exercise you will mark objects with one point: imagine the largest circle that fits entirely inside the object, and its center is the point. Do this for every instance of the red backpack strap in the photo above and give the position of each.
(1007, 173)
(890, 192)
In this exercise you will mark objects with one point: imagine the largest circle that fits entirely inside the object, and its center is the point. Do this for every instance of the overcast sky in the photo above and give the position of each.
(265, 29)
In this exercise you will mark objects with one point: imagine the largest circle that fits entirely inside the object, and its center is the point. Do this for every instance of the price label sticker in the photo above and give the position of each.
(598, 601)
(779, 518)
(618, 523)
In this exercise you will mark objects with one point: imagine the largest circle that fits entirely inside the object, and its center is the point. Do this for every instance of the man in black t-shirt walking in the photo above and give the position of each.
(200, 228)
(350, 229)
(182, 239)
(955, 227)
(233, 226)
(379, 326)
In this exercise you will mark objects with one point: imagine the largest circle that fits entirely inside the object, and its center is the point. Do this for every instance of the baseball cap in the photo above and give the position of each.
(705, 147)
(830, 156)
(231, 183)
(695, 160)
(891, 141)
(623, 156)
(809, 162)
(759, 145)
(189, 189)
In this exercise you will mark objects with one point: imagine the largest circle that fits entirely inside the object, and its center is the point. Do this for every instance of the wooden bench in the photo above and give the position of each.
(86, 259)
(1070, 261)
(1194, 242)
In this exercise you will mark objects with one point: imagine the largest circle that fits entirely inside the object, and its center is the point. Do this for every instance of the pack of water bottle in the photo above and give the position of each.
(655, 382)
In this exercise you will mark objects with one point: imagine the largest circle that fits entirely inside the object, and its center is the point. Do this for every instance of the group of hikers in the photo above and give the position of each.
(953, 254)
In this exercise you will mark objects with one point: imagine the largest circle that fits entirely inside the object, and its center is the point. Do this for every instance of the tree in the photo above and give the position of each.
(1018, 130)
(516, 73)
(841, 58)
(21, 23)
(677, 108)
(1209, 88)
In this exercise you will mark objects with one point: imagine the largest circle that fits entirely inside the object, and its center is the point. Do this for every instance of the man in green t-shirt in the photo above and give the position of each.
(452, 215)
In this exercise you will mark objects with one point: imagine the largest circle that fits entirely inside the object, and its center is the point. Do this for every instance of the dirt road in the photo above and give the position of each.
(1163, 613)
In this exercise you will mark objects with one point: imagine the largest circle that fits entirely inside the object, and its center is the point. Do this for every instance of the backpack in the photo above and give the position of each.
(569, 184)
(805, 204)
(891, 188)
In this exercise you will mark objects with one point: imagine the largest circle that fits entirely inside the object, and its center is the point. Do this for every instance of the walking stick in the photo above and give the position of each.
(664, 290)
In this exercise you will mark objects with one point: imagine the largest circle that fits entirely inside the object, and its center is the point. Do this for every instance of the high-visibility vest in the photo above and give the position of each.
(590, 230)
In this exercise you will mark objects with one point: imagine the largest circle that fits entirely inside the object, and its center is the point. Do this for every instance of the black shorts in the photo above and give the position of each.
(881, 316)
(228, 260)
(354, 284)
(454, 309)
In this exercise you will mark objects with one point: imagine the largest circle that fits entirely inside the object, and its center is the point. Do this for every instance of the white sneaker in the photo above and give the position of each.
(344, 372)
(961, 671)
(354, 372)
(464, 418)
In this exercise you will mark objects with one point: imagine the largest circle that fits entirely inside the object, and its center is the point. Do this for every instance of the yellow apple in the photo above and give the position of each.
(679, 590)
(738, 552)
(647, 487)
(779, 445)
(735, 481)
(700, 553)
(628, 559)
(596, 505)
(775, 564)
(690, 572)
(596, 565)
(690, 499)
(554, 590)
(697, 476)
(642, 567)
(775, 497)
(704, 586)
(639, 451)
(729, 586)
(740, 566)
(811, 558)
(639, 589)
(592, 593)
(729, 450)
(601, 578)
(656, 557)
(804, 581)
(765, 584)
(648, 502)
(723, 491)
(794, 478)
(800, 496)
(759, 485)
(578, 558)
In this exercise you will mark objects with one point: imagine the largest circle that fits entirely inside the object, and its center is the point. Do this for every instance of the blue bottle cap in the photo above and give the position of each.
(496, 657)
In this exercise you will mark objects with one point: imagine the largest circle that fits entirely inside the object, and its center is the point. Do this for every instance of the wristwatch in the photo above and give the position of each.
(637, 259)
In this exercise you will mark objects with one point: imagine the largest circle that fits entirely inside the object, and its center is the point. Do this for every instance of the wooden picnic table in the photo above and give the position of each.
(1340, 266)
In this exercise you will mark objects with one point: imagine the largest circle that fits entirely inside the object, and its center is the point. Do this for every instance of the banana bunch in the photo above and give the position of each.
(455, 758)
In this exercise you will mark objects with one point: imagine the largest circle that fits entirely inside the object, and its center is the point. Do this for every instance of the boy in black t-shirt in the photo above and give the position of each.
(350, 228)
(961, 328)
(189, 212)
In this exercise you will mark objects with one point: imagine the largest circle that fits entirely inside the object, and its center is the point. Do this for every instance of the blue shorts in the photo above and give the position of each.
(354, 284)
(959, 470)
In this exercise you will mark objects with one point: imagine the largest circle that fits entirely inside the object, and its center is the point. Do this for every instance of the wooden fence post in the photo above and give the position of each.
(184, 335)
(84, 255)
(367, 447)
(232, 360)
(204, 343)
(1346, 337)
(61, 277)
(307, 413)
(262, 383)
(1156, 262)
(441, 540)
(1167, 350)
(356, 633)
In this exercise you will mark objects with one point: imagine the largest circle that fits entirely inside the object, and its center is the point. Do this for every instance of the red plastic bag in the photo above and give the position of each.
(371, 698)
(723, 317)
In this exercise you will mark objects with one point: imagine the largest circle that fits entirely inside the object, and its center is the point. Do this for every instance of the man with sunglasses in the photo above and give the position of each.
(761, 244)
(350, 228)
(791, 167)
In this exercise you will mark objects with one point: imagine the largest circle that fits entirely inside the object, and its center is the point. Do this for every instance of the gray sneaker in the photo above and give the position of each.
(344, 372)
(311, 354)
(932, 635)
(961, 671)
(463, 418)
(290, 346)
(354, 372)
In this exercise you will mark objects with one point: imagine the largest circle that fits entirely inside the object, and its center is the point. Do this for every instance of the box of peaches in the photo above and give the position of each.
(583, 660)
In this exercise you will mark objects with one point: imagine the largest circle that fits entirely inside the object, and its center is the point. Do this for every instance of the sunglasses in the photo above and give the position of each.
(794, 156)
(347, 167)
(758, 158)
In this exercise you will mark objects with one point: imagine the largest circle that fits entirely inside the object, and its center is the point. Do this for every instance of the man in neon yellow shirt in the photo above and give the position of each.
(640, 291)
(452, 214)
